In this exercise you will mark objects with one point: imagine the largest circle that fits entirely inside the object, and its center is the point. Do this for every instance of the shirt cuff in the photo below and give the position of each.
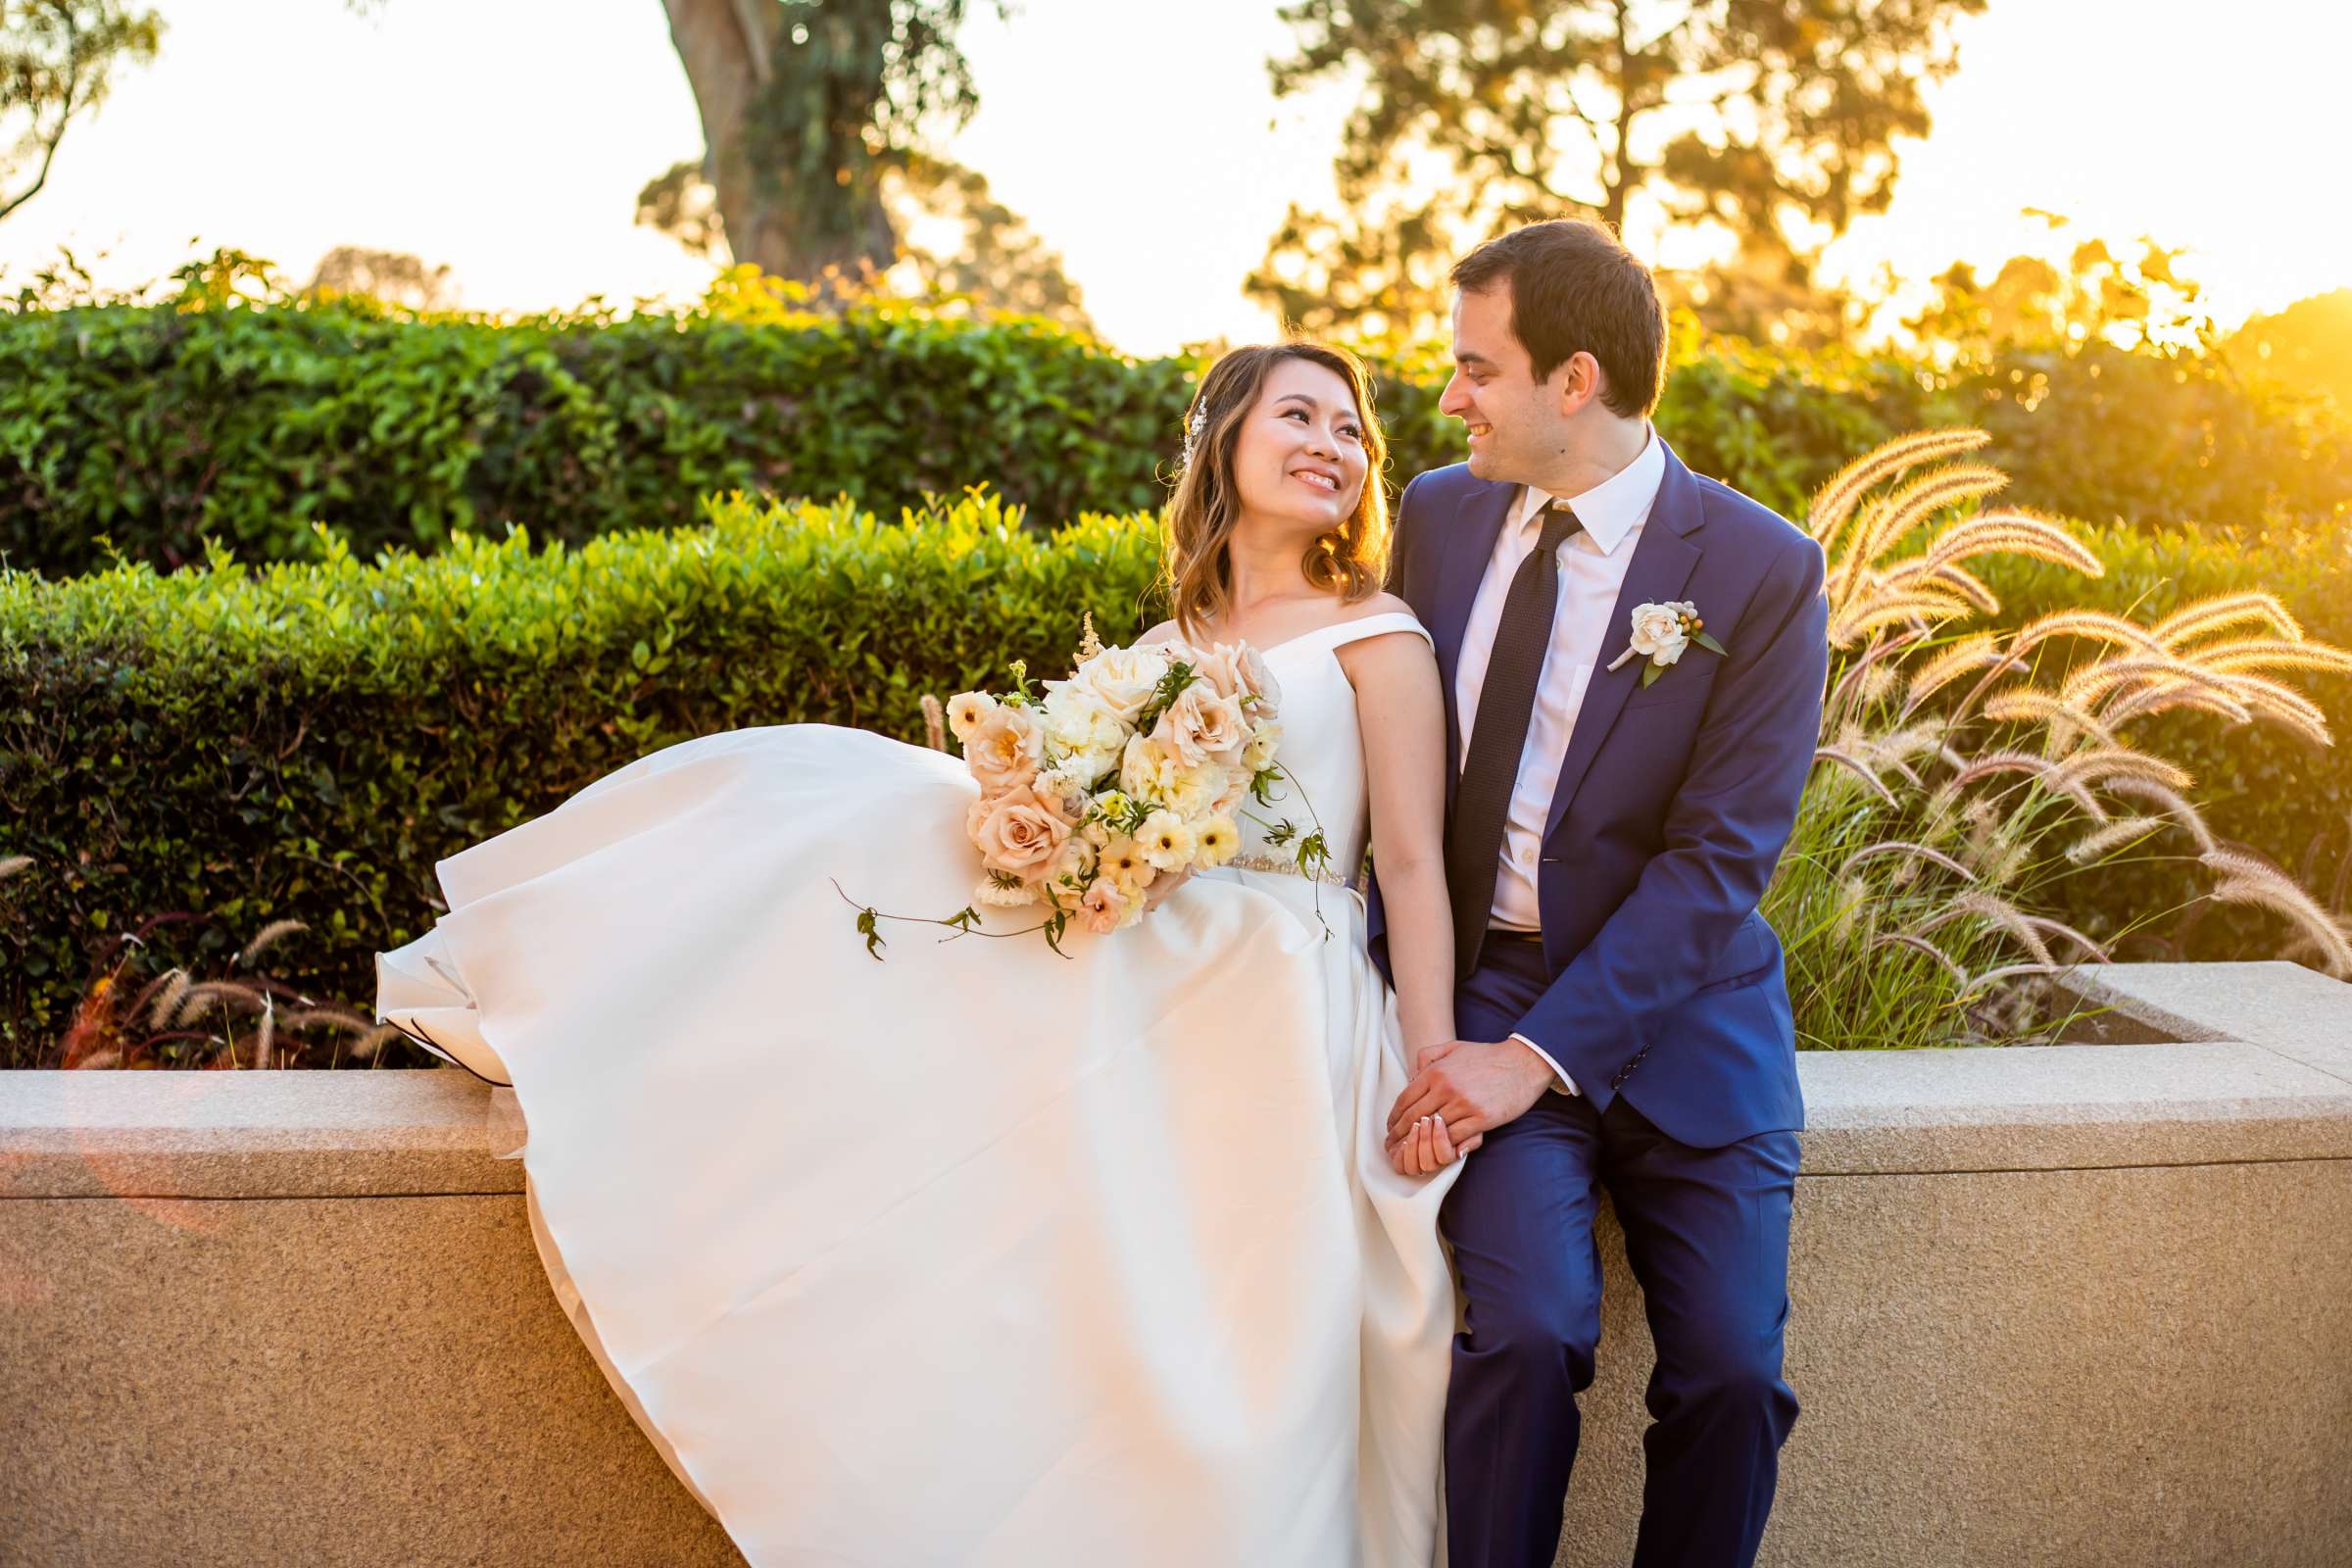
(1566, 1084)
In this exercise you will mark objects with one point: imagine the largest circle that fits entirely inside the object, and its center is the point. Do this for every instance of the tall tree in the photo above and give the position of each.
(57, 60)
(807, 106)
(2076, 292)
(1771, 119)
(395, 277)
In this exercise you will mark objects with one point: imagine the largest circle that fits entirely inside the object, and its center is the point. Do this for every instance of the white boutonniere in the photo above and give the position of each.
(1660, 634)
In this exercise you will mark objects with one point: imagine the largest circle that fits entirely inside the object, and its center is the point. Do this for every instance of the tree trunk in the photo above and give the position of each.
(725, 46)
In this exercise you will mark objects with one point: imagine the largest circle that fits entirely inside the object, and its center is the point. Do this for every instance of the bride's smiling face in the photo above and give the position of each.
(1298, 456)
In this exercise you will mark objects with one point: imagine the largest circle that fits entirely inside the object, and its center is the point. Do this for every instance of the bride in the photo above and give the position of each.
(983, 1253)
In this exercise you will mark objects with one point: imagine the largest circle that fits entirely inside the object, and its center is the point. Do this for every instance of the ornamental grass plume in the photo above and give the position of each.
(172, 1019)
(1964, 768)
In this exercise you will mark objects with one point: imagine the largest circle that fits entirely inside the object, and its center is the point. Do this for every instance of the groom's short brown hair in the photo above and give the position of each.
(1575, 286)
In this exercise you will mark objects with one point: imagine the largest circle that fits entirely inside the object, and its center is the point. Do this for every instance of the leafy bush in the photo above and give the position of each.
(303, 742)
(159, 425)
(235, 412)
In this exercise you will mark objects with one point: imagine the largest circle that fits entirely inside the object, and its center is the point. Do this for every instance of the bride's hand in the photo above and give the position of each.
(1426, 1147)
(1164, 884)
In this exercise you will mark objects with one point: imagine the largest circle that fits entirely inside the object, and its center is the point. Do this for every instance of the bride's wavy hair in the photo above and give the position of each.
(1196, 558)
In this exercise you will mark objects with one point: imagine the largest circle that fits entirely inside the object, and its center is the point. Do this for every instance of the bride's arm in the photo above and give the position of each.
(1401, 711)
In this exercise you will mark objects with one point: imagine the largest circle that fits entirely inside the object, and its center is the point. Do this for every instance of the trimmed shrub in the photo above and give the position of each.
(305, 741)
(149, 428)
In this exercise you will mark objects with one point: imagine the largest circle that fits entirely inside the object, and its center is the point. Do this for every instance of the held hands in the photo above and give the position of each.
(1462, 1089)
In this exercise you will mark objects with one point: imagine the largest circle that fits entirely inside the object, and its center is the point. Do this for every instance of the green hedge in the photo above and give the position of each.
(305, 741)
(155, 426)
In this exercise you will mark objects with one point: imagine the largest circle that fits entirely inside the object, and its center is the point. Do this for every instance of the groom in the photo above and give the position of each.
(1617, 809)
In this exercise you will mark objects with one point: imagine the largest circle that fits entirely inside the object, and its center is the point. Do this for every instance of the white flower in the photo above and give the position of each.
(1658, 633)
(1260, 750)
(966, 711)
(992, 892)
(1122, 678)
(1167, 842)
(1082, 734)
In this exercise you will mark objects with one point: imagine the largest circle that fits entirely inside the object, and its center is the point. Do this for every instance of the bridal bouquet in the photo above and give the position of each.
(1131, 771)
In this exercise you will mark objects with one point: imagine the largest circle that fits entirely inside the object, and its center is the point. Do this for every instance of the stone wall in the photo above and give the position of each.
(2070, 1306)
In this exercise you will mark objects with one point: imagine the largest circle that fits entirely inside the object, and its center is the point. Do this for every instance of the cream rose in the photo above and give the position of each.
(1017, 833)
(1658, 634)
(1122, 678)
(1004, 749)
(1139, 768)
(1082, 730)
(1200, 726)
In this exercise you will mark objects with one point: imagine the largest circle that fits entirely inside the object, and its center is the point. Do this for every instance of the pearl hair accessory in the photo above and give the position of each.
(1192, 433)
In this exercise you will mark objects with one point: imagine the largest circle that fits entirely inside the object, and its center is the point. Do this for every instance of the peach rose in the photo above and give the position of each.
(1017, 833)
(1004, 749)
(1200, 726)
(1238, 671)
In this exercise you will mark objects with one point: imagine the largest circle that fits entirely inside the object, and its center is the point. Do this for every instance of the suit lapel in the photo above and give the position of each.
(1469, 547)
(1663, 559)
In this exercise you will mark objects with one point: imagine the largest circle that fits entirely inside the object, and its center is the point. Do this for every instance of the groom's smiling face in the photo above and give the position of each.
(1518, 426)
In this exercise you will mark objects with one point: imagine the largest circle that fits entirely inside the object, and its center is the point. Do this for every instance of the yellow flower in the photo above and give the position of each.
(1167, 843)
(1215, 841)
(1122, 862)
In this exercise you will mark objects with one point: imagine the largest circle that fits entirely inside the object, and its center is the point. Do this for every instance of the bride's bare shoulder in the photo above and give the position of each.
(1165, 631)
(1382, 604)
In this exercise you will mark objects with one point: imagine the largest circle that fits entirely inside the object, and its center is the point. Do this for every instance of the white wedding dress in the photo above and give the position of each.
(975, 1254)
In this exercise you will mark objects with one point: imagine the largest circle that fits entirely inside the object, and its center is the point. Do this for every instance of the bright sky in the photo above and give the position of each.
(509, 140)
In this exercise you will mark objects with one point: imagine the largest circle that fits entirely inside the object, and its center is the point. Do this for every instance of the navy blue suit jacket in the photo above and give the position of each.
(1673, 805)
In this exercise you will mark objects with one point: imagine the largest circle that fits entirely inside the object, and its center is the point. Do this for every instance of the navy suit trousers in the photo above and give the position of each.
(1706, 1233)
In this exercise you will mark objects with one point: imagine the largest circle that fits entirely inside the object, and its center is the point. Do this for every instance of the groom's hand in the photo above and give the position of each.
(1475, 1085)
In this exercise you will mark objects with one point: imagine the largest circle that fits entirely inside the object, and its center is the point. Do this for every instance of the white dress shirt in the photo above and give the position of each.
(1591, 567)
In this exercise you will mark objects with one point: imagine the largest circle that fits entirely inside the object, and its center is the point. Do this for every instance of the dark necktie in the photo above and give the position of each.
(1482, 804)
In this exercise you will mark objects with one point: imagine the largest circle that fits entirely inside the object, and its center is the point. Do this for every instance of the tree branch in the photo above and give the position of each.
(65, 111)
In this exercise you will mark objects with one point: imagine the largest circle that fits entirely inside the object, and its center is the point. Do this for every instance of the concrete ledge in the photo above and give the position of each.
(2077, 1304)
(247, 1134)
